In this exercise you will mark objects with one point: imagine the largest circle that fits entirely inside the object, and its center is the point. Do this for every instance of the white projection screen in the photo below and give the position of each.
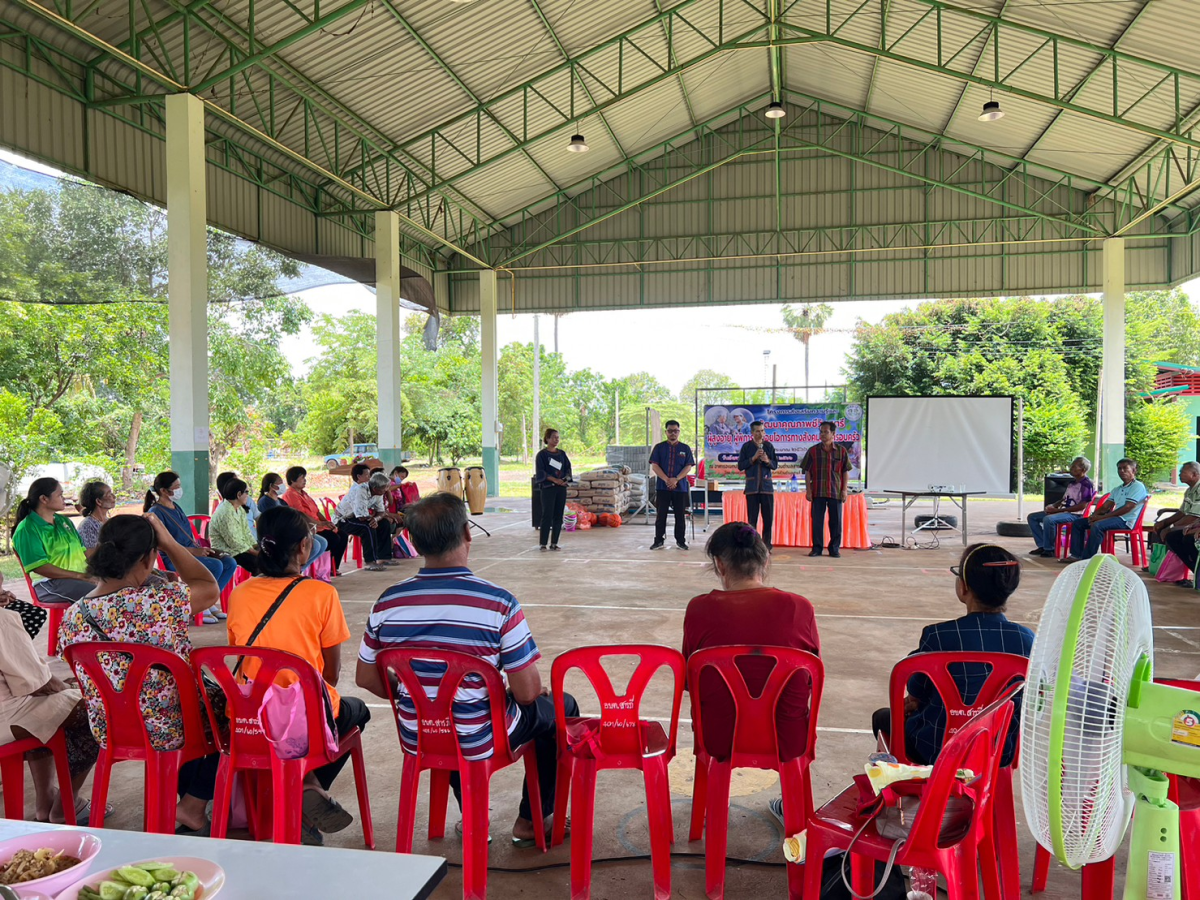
(913, 442)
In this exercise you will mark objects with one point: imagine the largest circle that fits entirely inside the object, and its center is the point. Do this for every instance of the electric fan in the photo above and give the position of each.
(1097, 735)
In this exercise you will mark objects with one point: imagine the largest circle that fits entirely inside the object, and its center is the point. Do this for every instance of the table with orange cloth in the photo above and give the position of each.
(793, 519)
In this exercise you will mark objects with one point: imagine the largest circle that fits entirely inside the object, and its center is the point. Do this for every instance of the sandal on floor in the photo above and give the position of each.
(458, 830)
(205, 831)
(530, 843)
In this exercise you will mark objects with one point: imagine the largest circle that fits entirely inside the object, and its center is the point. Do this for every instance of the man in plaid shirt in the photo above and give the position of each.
(825, 466)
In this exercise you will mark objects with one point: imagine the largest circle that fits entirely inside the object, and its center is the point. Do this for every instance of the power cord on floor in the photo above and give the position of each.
(911, 543)
(729, 860)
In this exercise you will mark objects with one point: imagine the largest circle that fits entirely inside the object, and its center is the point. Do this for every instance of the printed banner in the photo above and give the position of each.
(791, 428)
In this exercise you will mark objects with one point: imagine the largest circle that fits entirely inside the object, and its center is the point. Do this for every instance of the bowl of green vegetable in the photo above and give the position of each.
(166, 878)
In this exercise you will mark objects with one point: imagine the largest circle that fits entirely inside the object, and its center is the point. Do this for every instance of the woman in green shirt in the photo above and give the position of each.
(48, 545)
(229, 529)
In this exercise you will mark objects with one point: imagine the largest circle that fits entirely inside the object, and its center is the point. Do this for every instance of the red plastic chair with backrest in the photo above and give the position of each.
(1136, 536)
(128, 738)
(353, 544)
(12, 774)
(54, 611)
(755, 746)
(1099, 878)
(1005, 670)
(616, 739)
(1062, 539)
(438, 750)
(977, 746)
(245, 748)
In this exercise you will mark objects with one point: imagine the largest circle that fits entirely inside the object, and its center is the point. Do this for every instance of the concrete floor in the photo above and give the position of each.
(606, 587)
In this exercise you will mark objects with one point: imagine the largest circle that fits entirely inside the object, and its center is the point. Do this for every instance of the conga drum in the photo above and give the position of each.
(476, 489)
(450, 481)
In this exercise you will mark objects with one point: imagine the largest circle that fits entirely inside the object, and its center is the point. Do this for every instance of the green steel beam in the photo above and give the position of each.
(938, 40)
(991, 35)
(687, 99)
(537, 8)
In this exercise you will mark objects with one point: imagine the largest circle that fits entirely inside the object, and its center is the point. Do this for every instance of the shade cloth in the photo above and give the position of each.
(793, 519)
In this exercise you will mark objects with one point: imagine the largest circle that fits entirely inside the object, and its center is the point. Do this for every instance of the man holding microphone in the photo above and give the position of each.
(757, 461)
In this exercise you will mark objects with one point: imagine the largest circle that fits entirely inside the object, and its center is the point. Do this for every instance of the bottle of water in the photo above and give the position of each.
(922, 884)
(794, 484)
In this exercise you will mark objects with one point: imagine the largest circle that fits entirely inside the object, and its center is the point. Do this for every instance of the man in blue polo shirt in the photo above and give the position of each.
(671, 460)
(1120, 511)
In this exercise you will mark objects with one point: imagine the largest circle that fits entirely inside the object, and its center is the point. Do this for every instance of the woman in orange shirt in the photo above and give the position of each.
(309, 623)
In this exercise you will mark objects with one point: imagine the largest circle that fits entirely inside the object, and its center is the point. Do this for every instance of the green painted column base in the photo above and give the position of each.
(1109, 456)
(491, 468)
(195, 475)
(390, 457)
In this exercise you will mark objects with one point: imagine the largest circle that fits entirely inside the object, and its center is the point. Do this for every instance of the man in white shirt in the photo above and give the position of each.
(362, 514)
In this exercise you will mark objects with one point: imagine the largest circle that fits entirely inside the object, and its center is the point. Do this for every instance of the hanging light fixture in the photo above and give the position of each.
(578, 144)
(991, 110)
(775, 110)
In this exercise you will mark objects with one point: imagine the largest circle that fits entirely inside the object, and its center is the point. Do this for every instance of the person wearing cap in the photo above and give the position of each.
(984, 579)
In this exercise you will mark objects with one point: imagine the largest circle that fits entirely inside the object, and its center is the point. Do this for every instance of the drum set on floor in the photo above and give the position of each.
(474, 490)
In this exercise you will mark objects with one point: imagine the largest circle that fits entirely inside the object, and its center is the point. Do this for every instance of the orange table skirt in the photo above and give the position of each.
(793, 519)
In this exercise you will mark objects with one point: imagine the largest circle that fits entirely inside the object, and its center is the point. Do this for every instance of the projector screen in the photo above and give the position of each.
(913, 442)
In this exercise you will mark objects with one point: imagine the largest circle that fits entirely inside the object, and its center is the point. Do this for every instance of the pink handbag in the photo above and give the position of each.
(285, 724)
(1172, 569)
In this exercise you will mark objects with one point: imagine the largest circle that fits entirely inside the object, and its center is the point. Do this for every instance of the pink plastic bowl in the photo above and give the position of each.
(79, 844)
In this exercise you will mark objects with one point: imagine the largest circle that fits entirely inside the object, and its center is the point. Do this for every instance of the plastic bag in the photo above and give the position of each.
(569, 521)
(1158, 552)
(284, 724)
(1172, 569)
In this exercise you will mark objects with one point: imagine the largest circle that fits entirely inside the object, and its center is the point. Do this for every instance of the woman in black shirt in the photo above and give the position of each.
(553, 472)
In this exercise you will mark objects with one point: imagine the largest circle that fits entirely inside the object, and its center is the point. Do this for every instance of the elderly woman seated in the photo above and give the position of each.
(1044, 525)
(35, 702)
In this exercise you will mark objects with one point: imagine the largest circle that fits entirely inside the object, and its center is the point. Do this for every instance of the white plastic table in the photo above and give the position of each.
(958, 498)
(263, 871)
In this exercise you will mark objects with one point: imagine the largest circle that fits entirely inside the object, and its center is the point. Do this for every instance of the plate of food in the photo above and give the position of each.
(164, 878)
(44, 862)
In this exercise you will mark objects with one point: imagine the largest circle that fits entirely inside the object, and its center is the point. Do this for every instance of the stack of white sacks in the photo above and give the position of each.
(606, 490)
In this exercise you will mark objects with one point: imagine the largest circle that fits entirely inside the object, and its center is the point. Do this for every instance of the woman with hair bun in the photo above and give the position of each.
(553, 473)
(309, 623)
(746, 611)
(985, 577)
(48, 544)
(122, 607)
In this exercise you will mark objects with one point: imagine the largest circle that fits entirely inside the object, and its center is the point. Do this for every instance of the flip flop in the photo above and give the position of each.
(530, 843)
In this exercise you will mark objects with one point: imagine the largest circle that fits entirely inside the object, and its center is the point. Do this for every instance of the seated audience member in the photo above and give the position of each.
(445, 606)
(298, 499)
(48, 544)
(400, 493)
(1188, 512)
(160, 502)
(361, 513)
(250, 509)
(229, 529)
(1119, 511)
(35, 702)
(1181, 535)
(123, 608)
(270, 492)
(746, 611)
(96, 502)
(1044, 524)
(310, 624)
(984, 579)
(408, 489)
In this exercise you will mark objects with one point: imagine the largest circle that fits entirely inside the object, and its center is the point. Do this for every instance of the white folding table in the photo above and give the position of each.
(958, 498)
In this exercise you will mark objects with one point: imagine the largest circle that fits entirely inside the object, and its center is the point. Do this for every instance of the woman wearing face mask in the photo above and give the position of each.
(270, 492)
(161, 502)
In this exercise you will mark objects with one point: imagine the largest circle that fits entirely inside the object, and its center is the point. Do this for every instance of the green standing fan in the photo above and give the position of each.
(1098, 736)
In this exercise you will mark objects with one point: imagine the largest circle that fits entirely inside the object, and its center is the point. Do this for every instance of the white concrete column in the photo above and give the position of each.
(491, 380)
(187, 297)
(387, 334)
(1112, 390)
(537, 387)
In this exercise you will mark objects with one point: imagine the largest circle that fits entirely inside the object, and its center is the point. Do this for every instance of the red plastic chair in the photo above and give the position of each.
(353, 544)
(199, 525)
(1062, 538)
(1099, 878)
(12, 776)
(245, 748)
(438, 750)
(54, 611)
(619, 739)
(128, 738)
(1136, 537)
(1006, 669)
(977, 746)
(755, 746)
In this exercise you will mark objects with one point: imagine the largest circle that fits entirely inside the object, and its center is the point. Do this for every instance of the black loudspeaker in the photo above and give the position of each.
(1056, 488)
(536, 496)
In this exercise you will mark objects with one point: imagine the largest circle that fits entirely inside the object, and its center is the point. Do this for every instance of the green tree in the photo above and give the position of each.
(805, 323)
(702, 380)
(1154, 432)
(27, 438)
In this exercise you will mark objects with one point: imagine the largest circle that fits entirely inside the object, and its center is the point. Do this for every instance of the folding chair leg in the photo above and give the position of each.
(406, 817)
(223, 797)
(1041, 869)
(658, 815)
(287, 796)
(583, 811)
(699, 799)
(475, 832)
(535, 799)
(439, 794)
(162, 776)
(100, 776)
(58, 746)
(364, 798)
(562, 793)
(717, 829)
(1004, 835)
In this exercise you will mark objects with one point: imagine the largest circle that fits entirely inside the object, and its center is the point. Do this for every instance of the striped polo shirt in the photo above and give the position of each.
(452, 609)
